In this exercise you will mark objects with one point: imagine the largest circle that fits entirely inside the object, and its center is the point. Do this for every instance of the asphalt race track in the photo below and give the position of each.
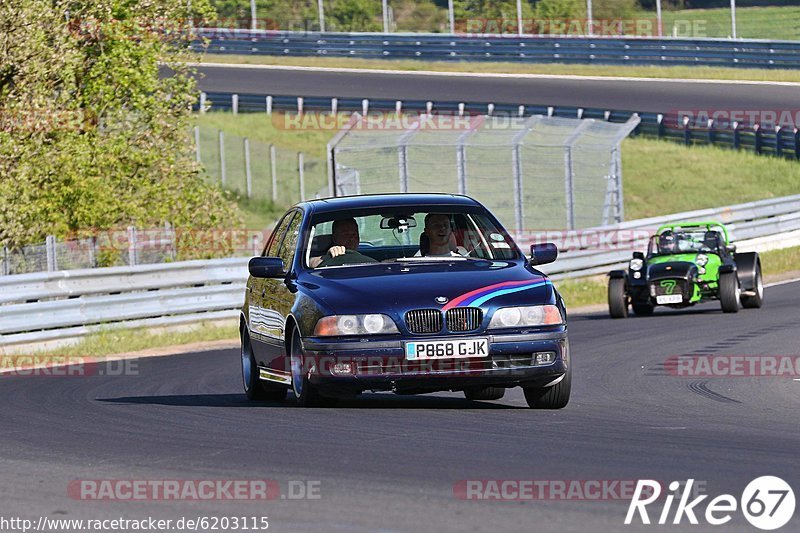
(633, 95)
(390, 463)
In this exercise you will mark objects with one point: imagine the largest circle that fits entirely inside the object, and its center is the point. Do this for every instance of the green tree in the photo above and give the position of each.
(92, 136)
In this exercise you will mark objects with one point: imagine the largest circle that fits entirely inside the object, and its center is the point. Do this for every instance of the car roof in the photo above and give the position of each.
(342, 203)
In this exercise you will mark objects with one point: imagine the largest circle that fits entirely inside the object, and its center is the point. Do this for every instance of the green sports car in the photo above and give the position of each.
(687, 263)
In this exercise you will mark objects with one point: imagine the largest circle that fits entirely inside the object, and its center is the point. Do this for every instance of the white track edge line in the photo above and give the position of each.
(490, 75)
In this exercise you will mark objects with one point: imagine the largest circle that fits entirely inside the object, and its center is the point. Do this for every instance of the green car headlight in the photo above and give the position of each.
(701, 260)
(636, 265)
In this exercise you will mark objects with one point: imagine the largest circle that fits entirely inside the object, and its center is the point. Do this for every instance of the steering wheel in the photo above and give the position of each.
(347, 257)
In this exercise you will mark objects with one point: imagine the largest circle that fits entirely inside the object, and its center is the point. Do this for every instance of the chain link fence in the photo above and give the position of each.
(259, 170)
(533, 173)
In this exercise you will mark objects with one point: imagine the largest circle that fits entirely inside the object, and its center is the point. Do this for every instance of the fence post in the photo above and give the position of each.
(203, 97)
(247, 173)
(93, 251)
(50, 247)
(797, 143)
(759, 139)
(687, 133)
(170, 233)
(402, 166)
(334, 105)
(516, 168)
(6, 264)
(222, 172)
(235, 103)
(301, 175)
(269, 105)
(132, 245)
(197, 144)
(569, 187)
(778, 141)
(711, 131)
(274, 169)
(660, 128)
(461, 168)
(299, 104)
(364, 106)
(737, 139)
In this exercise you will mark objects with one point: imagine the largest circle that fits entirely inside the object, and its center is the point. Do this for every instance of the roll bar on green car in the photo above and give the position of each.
(707, 224)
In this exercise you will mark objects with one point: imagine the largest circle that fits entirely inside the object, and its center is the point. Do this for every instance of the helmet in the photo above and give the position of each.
(667, 242)
(711, 240)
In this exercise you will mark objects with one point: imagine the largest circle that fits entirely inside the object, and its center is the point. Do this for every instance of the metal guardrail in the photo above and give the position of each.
(759, 138)
(69, 304)
(526, 49)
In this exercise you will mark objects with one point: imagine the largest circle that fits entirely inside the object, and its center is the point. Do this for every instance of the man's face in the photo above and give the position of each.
(438, 229)
(346, 234)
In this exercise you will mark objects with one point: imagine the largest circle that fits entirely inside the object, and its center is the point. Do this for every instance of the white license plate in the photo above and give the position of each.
(669, 299)
(416, 351)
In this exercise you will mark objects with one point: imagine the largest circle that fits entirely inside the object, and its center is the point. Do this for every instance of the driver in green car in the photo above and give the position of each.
(345, 238)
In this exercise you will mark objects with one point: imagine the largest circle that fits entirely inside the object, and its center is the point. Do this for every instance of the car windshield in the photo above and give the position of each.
(686, 241)
(352, 238)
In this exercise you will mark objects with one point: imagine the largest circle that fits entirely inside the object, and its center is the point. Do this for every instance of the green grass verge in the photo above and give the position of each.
(662, 177)
(777, 262)
(677, 72)
(114, 341)
(773, 23)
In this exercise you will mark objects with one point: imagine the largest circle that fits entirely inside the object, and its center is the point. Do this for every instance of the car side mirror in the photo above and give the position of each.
(544, 253)
(266, 267)
(638, 255)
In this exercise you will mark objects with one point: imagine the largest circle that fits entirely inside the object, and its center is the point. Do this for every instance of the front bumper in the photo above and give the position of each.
(344, 367)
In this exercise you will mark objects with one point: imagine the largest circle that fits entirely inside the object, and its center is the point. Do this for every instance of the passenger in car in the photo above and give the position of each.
(440, 238)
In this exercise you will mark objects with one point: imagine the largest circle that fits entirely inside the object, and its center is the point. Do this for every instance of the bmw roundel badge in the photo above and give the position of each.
(441, 299)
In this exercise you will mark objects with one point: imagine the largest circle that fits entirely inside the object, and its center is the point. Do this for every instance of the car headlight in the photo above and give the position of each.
(533, 315)
(374, 324)
(636, 264)
(701, 260)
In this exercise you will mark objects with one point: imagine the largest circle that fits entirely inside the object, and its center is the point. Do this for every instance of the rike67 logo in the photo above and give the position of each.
(767, 503)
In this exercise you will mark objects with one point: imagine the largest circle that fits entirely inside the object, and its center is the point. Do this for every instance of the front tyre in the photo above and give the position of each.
(555, 397)
(729, 293)
(304, 391)
(755, 301)
(617, 298)
(254, 388)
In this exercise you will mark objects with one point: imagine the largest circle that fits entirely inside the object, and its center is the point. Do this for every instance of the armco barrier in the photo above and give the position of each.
(526, 49)
(68, 304)
(759, 138)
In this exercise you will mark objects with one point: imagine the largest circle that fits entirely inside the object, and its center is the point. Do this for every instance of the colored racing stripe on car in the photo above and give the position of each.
(477, 297)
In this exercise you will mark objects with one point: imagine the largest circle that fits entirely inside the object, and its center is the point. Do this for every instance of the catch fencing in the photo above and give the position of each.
(564, 173)
(259, 170)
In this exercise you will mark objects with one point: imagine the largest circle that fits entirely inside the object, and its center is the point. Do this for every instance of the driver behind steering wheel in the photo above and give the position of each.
(344, 250)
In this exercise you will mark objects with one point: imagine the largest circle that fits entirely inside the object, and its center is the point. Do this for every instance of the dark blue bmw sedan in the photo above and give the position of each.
(409, 293)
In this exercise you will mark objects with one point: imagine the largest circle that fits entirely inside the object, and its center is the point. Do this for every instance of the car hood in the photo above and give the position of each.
(397, 287)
